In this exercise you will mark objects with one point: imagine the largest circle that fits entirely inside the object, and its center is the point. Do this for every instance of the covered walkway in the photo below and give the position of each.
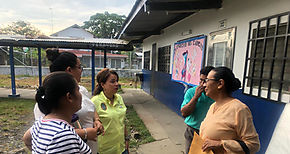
(52, 42)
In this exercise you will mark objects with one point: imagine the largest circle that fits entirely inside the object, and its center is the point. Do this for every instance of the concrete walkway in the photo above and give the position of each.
(166, 127)
(24, 93)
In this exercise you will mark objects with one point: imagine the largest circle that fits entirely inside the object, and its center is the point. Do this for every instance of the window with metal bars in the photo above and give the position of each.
(267, 70)
(164, 59)
(146, 60)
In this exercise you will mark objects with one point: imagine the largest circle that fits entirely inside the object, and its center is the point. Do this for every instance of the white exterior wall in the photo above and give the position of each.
(238, 14)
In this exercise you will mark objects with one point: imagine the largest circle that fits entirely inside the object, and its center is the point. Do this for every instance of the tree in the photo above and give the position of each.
(21, 28)
(104, 25)
(24, 28)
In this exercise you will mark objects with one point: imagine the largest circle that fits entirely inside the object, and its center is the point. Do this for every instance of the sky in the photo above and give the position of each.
(50, 16)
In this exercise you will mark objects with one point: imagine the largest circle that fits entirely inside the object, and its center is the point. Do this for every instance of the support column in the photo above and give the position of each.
(93, 70)
(39, 67)
(12, 73)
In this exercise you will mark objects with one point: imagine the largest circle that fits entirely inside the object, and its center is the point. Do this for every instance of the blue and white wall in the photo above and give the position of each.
(272, 119)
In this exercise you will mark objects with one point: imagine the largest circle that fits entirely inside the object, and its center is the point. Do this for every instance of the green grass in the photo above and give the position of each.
(13, 111)
(21, 81)
(135, 125)
(15, 117)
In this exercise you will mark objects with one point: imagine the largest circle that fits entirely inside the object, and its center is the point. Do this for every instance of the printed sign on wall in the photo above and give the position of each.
(187, 60)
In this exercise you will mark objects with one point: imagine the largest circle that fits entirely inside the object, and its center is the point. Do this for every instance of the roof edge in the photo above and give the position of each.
(137, 6)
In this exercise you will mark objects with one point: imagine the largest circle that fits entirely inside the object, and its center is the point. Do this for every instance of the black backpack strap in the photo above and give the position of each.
(244, 146)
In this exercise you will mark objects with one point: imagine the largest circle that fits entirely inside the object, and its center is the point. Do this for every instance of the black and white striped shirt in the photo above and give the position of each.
(56, 136)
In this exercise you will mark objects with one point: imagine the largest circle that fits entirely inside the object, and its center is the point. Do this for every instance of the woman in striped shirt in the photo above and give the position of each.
(88, 117)
(59, 98)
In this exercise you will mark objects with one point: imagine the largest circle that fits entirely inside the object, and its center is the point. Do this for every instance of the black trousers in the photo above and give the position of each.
(188, 135)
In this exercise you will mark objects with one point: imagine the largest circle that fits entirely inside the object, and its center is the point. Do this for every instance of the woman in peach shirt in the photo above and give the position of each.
(228, 126)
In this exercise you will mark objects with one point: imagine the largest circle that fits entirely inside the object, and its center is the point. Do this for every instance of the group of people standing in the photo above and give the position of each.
(60, 98)
(224, 123)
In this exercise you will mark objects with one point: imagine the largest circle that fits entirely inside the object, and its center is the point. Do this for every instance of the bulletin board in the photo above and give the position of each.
(188, 59)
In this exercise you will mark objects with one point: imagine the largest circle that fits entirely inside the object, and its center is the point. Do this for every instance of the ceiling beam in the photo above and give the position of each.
(185, 5)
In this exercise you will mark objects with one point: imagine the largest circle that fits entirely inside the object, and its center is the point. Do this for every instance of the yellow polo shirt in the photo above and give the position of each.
(112, 117)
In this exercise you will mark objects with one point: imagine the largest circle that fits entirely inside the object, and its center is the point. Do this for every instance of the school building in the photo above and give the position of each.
(251, 37)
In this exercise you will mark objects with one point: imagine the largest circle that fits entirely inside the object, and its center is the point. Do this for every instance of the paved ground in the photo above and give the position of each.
(166, 126)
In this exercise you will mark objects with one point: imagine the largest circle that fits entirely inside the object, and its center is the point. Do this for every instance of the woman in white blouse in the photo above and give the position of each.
(88, 117)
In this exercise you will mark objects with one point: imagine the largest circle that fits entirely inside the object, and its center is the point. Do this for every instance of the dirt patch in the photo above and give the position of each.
(11, 140)
(13, 126)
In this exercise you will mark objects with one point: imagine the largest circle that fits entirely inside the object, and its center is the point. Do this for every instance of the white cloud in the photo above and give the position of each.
(63, 13)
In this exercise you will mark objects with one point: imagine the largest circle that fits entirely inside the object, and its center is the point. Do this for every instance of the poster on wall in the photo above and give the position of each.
(187, 60)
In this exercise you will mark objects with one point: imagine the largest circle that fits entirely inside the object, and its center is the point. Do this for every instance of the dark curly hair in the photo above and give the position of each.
(60, 60)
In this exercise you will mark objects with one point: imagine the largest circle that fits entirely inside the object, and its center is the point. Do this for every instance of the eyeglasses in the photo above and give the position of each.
(81, 67)
(206, 80)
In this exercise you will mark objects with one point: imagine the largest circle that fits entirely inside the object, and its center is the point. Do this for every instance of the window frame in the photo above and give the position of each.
(145, 58)
(164, 58)
(225, 35)
(268, 93)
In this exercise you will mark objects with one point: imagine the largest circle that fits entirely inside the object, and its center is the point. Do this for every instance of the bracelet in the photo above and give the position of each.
(86, 134)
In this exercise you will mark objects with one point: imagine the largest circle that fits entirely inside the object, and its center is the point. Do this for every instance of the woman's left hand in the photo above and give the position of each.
(99, 126)
(211, 144)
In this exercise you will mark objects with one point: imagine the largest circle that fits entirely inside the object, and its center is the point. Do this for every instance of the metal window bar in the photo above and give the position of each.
(262, 38)
(264, 53)
(274, 55)
(272, 80)
(255, 54)
(285, 56)
(253, 57)
(247, 56)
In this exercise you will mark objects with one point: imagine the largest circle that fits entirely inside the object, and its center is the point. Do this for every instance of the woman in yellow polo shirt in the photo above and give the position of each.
(112, 111)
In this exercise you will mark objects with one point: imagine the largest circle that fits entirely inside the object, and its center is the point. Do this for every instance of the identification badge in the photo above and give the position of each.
(103, 106)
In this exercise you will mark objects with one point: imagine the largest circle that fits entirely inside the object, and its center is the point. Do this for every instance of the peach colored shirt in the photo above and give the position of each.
(231, 121)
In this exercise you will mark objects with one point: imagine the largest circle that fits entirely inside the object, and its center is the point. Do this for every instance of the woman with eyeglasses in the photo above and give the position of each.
(88, 117)
(228, 126)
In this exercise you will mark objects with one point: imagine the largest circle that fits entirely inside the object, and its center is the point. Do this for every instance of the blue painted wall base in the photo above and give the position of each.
(265, 113)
